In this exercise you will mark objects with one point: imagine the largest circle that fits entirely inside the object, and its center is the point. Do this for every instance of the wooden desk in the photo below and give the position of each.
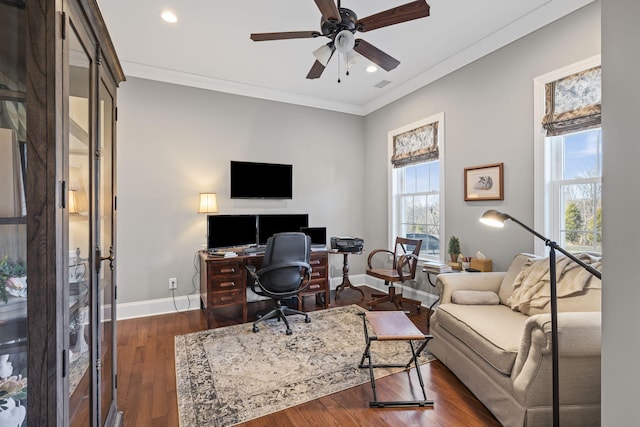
(223, 281)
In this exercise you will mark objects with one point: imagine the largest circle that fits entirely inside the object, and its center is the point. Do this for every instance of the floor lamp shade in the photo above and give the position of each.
(208, 203)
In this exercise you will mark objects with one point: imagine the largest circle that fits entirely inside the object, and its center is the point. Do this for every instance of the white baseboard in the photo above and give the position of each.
(131, 310)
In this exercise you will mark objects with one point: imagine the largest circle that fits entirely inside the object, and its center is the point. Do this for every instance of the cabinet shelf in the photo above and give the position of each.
(22, 220)
(12, 95)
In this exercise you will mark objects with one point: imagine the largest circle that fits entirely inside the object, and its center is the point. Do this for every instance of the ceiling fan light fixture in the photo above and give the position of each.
(323, 54)
(372, 69)
(345, 41)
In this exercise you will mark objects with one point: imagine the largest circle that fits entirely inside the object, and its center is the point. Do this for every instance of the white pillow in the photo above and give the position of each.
(475, 297)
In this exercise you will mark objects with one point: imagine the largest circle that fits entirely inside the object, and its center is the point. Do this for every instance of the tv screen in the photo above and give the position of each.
(268, 225)
(251, 180)
(224, 231)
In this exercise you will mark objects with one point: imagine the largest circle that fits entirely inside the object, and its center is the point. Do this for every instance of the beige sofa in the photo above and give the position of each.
(503, 354)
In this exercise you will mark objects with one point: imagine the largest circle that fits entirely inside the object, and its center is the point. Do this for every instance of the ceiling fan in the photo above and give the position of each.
(339, 25)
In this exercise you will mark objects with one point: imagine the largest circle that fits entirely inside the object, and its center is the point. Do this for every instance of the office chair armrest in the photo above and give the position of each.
(303, 285)
(251, 269)
(284, 265)
(403, 260)
(375, 251)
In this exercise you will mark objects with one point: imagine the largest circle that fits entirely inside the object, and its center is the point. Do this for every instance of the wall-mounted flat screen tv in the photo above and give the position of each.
(268, 225)
(225, 231)
(250, 180)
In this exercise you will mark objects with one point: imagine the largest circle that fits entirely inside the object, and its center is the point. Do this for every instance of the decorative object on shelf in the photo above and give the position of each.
(73, 202)
(13, 389)
(10, 270)
(495, 218)
(484, 182)
(454, 248)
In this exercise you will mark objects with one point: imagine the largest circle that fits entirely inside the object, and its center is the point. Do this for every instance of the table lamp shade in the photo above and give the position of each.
(208, 203)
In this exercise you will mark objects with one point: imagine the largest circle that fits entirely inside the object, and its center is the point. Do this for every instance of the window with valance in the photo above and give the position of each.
(415, 146)
(573, 103)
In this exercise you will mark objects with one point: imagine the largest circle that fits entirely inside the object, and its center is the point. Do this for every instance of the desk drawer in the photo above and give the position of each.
(318, 261)
(318, 272)
(226, 298)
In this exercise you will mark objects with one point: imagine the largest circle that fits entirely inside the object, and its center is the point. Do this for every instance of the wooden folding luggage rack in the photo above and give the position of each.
(393, 326)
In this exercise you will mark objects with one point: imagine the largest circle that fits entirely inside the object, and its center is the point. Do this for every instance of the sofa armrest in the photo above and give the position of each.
(579, 349)
(446, 283)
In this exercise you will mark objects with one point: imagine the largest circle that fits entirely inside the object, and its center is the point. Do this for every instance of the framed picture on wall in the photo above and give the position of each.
(484, 182)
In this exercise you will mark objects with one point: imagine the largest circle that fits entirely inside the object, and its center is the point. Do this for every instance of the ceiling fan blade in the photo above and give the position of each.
(329, 10)
(375, 55)
(316, 70)
(261, 37)
(407, 12)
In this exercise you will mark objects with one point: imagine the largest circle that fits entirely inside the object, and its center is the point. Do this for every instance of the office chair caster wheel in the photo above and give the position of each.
(307, 319)
(289, 332)
(255, 329)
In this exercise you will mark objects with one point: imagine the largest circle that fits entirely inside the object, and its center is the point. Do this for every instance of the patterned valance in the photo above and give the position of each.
(415, 146)
(573, 103)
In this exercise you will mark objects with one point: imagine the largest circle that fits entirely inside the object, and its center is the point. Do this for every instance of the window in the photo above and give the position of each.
(416, 184)
(569, 157)
(576, 190)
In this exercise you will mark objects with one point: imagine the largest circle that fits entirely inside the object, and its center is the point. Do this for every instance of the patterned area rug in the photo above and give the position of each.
(230, 375)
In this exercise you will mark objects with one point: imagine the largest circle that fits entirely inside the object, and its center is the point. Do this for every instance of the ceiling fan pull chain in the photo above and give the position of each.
(338, 68)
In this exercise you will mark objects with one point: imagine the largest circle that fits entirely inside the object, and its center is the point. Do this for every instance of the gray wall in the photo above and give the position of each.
(621, 207)
(488, 107)
(175, 142)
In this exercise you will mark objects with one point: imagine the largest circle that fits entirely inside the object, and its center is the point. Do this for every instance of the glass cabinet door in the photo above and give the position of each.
(106, 234)
(80, 211)
(13, 231)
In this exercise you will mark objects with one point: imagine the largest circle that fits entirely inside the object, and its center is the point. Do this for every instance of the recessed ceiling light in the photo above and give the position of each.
(372, 69)
(169, 16)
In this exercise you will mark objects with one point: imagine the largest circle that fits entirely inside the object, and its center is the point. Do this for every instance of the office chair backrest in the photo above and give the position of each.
(288, 254)
(406, 246)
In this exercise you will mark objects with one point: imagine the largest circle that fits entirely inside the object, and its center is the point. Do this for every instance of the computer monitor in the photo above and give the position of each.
(225, 231)
(268, 225)
(318, 235)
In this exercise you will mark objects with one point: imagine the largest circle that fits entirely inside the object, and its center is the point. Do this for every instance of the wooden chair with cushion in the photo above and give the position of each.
(403, 267)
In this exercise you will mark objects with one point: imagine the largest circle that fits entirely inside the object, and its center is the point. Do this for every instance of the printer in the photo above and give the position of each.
(347, 244)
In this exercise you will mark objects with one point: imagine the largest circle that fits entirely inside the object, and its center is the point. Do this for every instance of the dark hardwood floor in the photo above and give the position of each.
(147, 385)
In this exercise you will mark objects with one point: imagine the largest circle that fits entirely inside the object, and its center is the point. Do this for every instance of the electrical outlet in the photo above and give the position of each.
(173, 283)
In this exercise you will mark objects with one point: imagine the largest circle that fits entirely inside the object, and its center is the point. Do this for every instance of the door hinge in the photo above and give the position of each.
(115, 381)
(63, 28)
(64, 363)
(115, 293)
(116, 114)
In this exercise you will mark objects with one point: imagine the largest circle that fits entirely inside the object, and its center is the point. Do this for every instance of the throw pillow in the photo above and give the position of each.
(475, 297)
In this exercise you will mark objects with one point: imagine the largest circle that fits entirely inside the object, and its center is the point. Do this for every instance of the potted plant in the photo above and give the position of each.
(8, 270)
(454, 248)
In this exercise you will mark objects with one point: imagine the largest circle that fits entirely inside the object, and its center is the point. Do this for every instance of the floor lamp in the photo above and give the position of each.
(495, 218)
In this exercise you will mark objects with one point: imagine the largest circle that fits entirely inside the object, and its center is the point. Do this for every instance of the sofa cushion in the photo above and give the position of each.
(494, 332)
(474, 297)
(506, 288)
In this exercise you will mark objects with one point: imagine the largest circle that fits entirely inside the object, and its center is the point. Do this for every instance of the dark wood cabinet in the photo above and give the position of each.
(224, 281)
(58, 79)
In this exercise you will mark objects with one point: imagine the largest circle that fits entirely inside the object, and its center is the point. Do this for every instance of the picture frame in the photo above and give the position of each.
(484, 182)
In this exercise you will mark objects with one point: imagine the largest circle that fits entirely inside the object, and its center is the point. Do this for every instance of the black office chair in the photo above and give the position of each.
(285, 272)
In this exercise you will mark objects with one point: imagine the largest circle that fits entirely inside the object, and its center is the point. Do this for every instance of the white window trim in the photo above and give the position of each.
(391, 178)
(541, 200)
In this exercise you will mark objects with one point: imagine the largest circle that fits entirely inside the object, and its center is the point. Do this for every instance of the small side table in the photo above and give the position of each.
(345, 274)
